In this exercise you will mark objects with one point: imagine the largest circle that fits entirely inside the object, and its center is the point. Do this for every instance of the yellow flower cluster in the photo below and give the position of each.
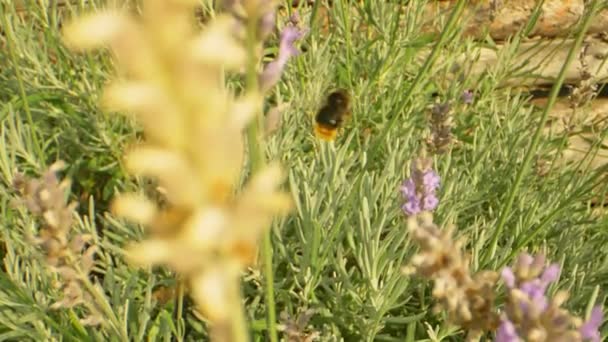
(171, 78)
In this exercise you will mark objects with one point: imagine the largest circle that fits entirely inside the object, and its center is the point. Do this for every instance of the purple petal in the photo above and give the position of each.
(535, 289)
(590, 329)
(430, 202)
(408, 188)
(506, 332)
(289, 35)
(540, 302)
(532, 288)
(272, 73)
(430, 180)
(508, 277)
(412, 206)
(550, 274)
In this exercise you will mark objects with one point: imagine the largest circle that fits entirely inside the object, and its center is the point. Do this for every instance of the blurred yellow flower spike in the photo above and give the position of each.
(135, 208)
(172, 82)
(150, 105)
(230, 232)
(173, 171)
(217, 45)
(217, 291)
(95, 30)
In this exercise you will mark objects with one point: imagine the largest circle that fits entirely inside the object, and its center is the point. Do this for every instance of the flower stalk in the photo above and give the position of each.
(208, 230)
(256, 162)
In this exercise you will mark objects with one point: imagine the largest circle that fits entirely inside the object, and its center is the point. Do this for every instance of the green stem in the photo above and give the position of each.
(10, 39)
(179, 310)
(447, 30)
(256, 157)
(531, 151)
(269, 275)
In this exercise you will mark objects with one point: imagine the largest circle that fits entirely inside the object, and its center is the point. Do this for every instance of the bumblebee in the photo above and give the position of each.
(333, 113)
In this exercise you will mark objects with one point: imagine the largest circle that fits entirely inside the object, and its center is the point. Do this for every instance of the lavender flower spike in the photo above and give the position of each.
(419, 190)
(530, 315)
(590, 329)
(272, 73)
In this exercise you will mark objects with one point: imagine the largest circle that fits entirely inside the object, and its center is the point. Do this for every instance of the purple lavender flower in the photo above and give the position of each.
(506, 332)
(412, 206)
(408, 188)
(590, 329)
(534, 288)
(550, 274)
(419, 190)
(430, 180)
(272, 73)
(529, 311)
(508, 277)
(467, 97)
(430, 202)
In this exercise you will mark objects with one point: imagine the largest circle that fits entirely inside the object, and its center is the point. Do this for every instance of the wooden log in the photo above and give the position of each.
(501, 18)
(536, 63)
(582, 127)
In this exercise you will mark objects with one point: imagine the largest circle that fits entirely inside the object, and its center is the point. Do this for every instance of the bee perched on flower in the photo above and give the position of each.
(209, 230)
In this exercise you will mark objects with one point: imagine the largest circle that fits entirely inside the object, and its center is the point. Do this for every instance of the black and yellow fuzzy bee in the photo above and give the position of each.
(333, 113)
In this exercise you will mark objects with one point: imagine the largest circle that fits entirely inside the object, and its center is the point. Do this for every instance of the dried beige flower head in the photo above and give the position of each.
(467, 299)
(441, 137)
(296, 329)
(173, 84)
(586, 89)
(65, 250)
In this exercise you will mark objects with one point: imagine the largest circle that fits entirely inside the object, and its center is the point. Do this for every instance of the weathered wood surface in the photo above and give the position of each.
(583, 129)
(538, 62)
(503, 18)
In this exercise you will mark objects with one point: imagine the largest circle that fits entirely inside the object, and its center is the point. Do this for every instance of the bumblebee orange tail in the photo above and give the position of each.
(325, 133)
